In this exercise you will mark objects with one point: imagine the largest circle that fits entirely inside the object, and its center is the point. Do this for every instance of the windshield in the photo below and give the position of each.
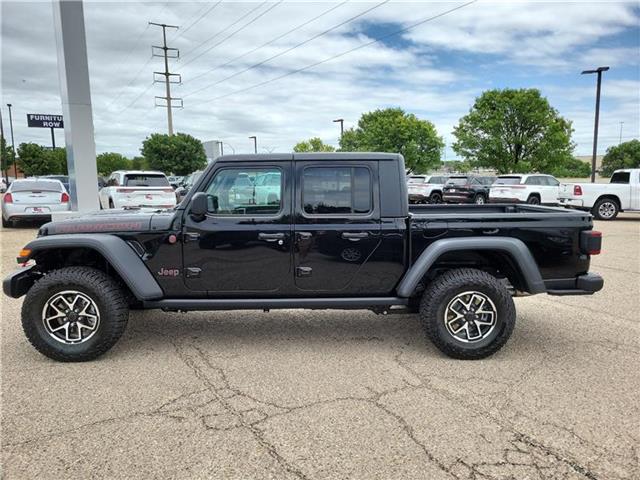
(457, 181)
(507, 181)
(35, 186)
(415, 180)
(134, 180)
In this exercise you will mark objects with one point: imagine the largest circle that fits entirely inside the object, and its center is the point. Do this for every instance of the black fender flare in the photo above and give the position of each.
(122, 258)
(515, 248)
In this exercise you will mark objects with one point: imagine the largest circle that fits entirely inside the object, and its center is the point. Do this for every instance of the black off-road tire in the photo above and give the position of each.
(599, 209)
(95, 284)
(6, 223)
(447, 286)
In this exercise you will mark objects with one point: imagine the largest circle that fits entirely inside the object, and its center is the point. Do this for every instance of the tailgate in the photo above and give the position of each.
(565, 190)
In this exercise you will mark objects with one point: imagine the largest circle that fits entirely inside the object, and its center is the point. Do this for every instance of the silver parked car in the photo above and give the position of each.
(33, 198)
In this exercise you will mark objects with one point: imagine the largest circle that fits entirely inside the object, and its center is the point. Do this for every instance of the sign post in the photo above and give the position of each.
(39, 120)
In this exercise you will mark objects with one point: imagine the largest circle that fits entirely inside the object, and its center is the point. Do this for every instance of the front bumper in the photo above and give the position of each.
(19, 282)
(586, 284)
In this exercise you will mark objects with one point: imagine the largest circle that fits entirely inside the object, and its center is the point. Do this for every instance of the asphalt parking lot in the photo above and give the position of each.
(292, 394)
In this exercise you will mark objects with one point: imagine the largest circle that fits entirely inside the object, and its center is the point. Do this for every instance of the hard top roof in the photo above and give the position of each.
(343, 156)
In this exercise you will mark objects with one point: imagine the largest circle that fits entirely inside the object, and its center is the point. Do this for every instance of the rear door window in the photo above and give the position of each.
(337, 190)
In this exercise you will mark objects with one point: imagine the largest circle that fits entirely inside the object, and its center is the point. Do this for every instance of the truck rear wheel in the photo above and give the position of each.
(467, 313)
(74, 314)
(606, 209)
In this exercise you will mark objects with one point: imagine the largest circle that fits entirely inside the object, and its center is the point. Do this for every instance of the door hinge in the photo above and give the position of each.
(304, 271)
(192, 272)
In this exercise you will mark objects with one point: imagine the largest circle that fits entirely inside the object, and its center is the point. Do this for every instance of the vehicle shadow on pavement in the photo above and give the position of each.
(226, 331)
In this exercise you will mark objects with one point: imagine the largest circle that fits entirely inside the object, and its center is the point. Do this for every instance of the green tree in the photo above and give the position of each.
(514, 131)
(34, 159)
(110, 162)
(314, 144)
(7, 154)
(178, 154)
(571, 168)
(393, 130)
(139, 163)
(625, 155)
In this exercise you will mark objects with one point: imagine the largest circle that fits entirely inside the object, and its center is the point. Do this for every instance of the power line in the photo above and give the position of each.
(235, 59)
(346, 52)
(138, 97)
(192, 24)
(221, 32)
(290, 49)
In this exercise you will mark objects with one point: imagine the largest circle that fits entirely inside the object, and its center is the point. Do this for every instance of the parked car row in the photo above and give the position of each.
(604, 201)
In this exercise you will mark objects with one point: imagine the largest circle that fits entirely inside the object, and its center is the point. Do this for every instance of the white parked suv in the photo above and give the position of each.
(426, 188)
(136, 188)
(605, 200)
(534, 188)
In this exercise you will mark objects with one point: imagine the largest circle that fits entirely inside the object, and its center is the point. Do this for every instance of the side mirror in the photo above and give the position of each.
(199, 204)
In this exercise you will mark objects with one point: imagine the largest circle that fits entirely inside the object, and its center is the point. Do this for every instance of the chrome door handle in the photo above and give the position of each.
(271, 237)
(354, 236)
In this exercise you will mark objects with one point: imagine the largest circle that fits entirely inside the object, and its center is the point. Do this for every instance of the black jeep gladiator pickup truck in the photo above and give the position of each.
(323, 231)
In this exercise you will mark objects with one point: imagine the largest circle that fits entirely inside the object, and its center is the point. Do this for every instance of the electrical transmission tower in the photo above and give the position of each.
(169, 77)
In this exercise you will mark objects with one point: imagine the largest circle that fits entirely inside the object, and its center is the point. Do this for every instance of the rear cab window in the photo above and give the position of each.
(620, 177)
(337, 191)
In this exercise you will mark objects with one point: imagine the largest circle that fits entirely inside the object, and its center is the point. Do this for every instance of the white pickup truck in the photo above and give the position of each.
(605, 200)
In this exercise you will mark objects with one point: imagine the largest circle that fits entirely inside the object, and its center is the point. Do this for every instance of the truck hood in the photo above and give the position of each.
(108, 221)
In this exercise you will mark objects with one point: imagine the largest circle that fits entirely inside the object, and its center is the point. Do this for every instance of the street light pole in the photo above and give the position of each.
(3, 161)
(13, 143)
(620, 141)
(255, 143)
(599, 71)
(341, 122)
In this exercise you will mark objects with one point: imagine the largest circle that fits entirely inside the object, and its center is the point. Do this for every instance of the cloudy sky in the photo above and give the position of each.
(283, 70)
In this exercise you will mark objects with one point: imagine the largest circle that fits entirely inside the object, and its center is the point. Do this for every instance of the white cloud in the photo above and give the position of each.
(420, 77)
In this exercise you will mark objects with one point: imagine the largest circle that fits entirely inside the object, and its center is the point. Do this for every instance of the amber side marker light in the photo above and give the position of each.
(24, 255)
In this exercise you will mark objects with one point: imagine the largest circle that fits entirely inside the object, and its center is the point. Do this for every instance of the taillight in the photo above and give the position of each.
(169, 190)
(64, 198)
(8, 198)
(591, 242)
(577, 190)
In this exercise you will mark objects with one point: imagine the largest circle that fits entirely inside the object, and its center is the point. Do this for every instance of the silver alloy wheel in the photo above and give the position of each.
(470, 316)
(607, 209)
(70, 317)
(480, 200)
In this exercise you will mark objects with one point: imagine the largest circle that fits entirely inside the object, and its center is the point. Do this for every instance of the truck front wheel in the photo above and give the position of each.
(467, 313)
(74, 314)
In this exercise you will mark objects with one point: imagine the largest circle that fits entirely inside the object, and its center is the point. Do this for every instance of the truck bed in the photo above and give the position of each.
(551, 233)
